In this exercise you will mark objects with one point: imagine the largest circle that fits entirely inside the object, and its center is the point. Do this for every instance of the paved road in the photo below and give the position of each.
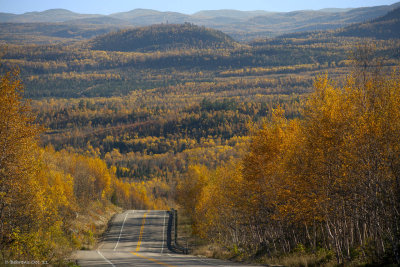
(139, 238)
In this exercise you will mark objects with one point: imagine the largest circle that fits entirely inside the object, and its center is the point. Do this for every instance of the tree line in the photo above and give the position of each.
(328, 182)
(76, 71)
(42, 191)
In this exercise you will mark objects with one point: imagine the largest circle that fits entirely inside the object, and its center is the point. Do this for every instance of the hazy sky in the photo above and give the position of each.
(183, 6)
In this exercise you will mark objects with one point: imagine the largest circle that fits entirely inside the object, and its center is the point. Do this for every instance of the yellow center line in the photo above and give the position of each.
(153, 260)
(141, 232)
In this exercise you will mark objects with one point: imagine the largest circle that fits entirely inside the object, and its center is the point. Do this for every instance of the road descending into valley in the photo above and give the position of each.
(139, 238)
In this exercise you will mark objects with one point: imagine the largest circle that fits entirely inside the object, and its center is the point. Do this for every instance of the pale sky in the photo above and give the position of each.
(183, 6)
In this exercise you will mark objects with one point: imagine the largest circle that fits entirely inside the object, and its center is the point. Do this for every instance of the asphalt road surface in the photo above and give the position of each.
(139, 238)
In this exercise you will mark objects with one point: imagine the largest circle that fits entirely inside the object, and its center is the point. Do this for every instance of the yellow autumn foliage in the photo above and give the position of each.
(329, 180)
(42, 191)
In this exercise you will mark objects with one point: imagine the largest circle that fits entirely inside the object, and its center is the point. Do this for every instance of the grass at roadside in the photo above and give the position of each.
(91, 225)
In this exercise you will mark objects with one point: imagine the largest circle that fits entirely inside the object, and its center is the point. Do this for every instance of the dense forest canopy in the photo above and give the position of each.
(385, 27)
(162, 38)
(326, 182)
(142, 117)
(132, 105)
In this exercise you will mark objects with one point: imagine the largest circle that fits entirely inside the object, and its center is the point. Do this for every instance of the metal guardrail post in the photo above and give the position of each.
(176, 226)
(173, 226)
(169, 230)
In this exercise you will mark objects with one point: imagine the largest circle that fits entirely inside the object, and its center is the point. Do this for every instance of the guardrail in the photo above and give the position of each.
(172, 233)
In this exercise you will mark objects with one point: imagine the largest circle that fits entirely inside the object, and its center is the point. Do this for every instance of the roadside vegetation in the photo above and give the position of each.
(319, 189)
(53, 202)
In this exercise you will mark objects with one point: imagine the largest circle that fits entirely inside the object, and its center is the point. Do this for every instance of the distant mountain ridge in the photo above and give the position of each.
(50, 15)
(146, 17)
(230, 13)
(241, 25)
(385, 27)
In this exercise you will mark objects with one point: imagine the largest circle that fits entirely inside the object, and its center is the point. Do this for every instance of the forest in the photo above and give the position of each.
(326, 183)
(276, 147)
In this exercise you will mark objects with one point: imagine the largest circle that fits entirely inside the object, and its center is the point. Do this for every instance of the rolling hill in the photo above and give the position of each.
(100, 20)
(51, 15)
(146, 17)
(385, 27)
(45, 33)
(162, 37)
(241, 25)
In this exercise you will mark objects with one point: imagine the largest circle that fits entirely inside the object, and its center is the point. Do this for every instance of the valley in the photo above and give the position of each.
(214, 113)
